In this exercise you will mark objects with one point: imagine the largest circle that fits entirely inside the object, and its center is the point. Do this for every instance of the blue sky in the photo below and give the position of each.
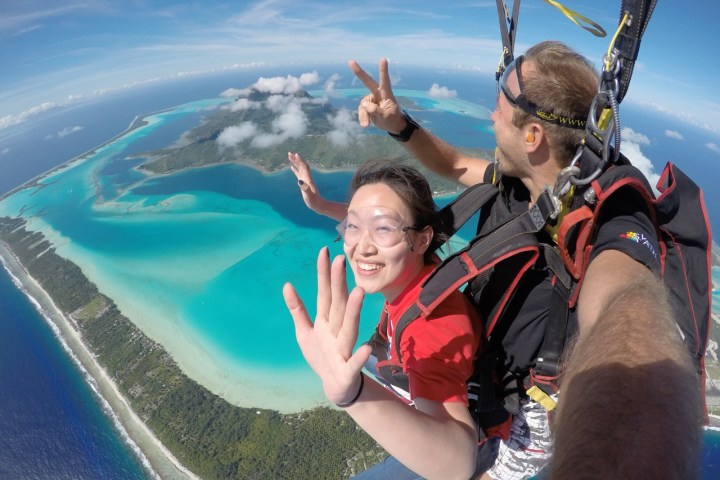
(53, 52)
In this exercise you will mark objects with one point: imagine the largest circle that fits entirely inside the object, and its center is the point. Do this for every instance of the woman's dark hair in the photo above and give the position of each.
(413, 188)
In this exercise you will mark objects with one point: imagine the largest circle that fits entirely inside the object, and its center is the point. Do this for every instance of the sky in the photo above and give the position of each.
(55, 52)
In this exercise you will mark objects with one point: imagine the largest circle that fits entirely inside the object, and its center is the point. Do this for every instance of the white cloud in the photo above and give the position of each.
(674, 134)
(285, 85)
(69, 131)
(10, 120)
(631, 147)
(279, 103)
(291, 123)
(713, 147)
(630, 135)
(244, 104)
(234, 92)
(436, 91)
(329, 86)
(345, 128)
(64, 132)
(231, 136)
(4, 151)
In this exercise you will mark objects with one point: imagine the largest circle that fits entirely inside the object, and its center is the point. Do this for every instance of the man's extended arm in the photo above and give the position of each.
(631, 405)
(381, 109)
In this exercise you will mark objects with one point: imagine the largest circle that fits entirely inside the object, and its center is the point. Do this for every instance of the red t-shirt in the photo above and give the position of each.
(438, 352)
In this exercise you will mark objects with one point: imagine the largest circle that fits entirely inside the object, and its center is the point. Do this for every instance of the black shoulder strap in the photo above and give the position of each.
(513, 239)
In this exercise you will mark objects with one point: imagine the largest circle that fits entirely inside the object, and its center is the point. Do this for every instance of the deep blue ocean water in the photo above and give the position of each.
(53, 426)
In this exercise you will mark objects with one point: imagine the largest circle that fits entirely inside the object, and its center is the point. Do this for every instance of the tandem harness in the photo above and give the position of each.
(507, 245)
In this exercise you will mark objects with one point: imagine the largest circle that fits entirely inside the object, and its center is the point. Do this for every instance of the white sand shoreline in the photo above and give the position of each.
(154, 455)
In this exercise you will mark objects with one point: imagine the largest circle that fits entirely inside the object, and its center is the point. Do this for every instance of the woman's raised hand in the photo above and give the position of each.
(309, 191)
(327, 344)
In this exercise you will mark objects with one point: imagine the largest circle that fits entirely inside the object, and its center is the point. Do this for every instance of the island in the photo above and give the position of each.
(185, 430)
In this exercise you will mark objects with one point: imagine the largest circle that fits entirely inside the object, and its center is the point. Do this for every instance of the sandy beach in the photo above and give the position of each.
(152, 452)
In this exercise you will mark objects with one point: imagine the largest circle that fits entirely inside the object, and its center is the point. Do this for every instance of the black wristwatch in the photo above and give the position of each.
(406, 132)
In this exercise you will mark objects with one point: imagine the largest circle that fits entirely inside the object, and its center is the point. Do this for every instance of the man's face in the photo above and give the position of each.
(508, 137)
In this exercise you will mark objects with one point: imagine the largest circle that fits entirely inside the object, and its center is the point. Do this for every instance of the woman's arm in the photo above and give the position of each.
(436, 440)
(310, 193)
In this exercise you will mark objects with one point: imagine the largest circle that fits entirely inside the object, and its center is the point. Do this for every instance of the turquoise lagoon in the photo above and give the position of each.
(196, 259)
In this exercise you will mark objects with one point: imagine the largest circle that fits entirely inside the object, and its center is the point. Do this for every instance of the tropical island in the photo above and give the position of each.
(205, 435)
(199, 146)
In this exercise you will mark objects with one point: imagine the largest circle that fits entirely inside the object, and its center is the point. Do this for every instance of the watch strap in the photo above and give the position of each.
(404, 135)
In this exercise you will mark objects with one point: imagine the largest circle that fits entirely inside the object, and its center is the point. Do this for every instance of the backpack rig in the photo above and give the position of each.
(506, 245)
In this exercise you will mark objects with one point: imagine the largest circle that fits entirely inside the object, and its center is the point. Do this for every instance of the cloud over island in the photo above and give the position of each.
(290, 120)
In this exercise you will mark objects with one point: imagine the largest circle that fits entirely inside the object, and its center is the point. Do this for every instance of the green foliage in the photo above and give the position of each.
(200, 146)
(214, 439)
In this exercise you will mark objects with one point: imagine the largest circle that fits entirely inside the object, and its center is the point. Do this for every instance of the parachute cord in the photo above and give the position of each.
(610, 58)
(574, 16)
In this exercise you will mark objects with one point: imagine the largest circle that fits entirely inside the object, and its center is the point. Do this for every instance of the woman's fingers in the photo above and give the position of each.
(297, 309)
(324, 295)
(339, 291)
(348, 334)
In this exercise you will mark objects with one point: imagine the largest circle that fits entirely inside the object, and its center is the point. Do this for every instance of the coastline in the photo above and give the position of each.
(160, 462)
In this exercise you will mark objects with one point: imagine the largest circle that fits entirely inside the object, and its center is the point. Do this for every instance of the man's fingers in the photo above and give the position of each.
(385, 87)
(363, 76)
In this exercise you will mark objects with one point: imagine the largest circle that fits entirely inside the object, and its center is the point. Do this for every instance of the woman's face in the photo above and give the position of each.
(376, 219)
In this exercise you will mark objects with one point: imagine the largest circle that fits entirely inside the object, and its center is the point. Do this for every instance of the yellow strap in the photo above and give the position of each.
(542, 398)
(574, 16)
(552, 230)
(623, 23)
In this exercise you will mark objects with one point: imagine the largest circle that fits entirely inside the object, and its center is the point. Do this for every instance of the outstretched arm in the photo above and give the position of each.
(630, 399)
(311, 195)
(435, 440)
(381, 109)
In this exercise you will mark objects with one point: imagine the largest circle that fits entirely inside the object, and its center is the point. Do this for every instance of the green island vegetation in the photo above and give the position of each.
(211, 437)
(199, 147)
(208, 435)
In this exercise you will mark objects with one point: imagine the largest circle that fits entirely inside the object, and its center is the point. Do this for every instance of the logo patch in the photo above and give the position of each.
(640, 239)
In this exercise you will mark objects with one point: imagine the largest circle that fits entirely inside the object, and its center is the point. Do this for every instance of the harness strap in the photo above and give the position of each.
(514, 238)
(627, 43)
(549, 360)
(459, 211)
(507, 34)
(576, 18)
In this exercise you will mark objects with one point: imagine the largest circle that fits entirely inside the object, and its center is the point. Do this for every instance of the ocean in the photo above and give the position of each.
(199, 212)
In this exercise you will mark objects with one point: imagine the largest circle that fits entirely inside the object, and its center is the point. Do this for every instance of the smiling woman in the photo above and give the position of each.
(390, 235)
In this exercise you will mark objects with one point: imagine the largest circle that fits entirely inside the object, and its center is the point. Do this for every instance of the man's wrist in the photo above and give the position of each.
(410, 127)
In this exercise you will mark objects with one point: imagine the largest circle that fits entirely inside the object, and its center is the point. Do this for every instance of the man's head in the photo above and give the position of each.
(562, 83)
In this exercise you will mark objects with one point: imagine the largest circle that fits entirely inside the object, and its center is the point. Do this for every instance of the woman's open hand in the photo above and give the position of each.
(327, 344)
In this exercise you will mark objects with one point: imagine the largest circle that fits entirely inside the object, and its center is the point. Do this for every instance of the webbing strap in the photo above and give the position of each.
(627, 43)
(460, 210)
(508, 24)
(514, 237)
(576, 18)
(549, 360)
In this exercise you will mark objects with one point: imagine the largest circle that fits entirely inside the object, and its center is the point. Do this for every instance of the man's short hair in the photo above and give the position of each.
(560, 81)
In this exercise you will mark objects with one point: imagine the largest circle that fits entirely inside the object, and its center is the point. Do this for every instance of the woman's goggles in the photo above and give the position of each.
(384, 225)
(529, 107)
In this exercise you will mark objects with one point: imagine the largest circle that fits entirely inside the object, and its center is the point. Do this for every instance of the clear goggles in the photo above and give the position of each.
(385, 227)
(529, 107)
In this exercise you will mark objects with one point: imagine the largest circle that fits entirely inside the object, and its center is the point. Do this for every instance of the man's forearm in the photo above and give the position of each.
(444, 159)
(631, 402)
